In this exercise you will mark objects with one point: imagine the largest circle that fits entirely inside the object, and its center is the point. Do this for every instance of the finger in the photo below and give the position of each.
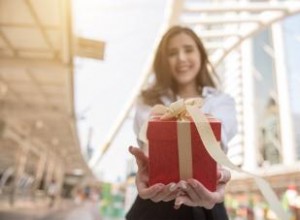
(166, 194)
(172, 196)
(221, 188)
(194, 195)
(205, 197)
(188, 191)
(139, 155)
(180, 200)
(224, 176)
(187, 196)
(150, 192)
(182, 184)
(176, 191)
(141, 182)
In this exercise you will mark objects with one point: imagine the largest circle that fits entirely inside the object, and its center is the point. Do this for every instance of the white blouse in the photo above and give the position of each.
(216, 103)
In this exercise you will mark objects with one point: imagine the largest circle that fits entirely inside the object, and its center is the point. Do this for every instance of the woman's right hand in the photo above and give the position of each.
(157, 192)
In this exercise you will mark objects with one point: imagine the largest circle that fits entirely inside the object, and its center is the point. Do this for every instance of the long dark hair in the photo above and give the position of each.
(164, 83)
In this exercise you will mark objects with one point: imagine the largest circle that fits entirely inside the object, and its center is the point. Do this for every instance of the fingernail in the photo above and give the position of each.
(172, 187)
(130, 148)
(183, 185)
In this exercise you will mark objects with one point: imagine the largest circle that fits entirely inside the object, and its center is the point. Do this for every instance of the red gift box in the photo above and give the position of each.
(176, 152)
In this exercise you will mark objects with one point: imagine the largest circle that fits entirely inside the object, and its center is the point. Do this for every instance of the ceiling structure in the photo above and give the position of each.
(36, 85)
(224, 26)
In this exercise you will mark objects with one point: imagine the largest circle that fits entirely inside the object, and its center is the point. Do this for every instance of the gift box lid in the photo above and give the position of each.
(165, 130)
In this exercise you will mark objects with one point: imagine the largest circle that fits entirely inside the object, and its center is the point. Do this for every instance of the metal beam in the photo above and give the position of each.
(176, 8)
(11, 90)
(8, 43)
(66, 32)
(203, 34)
(239, 7)
(12, 134)
(251, 31)
(219, 20)
(213, 45)
(21, 109)
(39, 24)
(33, 63)
(25, 25)
(39, 87)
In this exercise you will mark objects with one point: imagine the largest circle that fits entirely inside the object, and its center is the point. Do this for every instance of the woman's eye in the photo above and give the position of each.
(172, 53)
(189, 50)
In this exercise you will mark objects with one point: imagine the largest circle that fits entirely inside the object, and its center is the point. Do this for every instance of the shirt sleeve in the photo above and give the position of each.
(222, 106)
(142, 113)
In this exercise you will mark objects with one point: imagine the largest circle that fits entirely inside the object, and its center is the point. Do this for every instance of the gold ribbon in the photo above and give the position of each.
(177, 109)
(182, 109)
(184, 146)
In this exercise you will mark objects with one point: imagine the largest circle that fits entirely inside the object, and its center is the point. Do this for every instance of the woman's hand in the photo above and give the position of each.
(190, 192)
(157, 192)
(197, 195)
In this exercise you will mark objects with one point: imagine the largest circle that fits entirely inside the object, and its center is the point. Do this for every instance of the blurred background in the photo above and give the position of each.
(70, 71)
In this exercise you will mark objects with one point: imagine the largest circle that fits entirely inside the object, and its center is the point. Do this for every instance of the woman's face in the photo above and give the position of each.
(184, 59)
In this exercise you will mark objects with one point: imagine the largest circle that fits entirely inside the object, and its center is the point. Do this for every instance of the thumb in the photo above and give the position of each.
(139, 155)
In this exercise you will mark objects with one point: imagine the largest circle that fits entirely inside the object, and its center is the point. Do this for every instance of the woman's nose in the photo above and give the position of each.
(181, 55)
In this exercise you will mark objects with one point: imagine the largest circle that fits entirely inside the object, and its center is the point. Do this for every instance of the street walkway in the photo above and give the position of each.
(64, 210)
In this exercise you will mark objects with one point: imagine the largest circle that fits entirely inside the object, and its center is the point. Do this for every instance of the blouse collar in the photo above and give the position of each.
(207, 91)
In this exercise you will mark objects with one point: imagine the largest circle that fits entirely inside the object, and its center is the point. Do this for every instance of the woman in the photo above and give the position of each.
(182, 70)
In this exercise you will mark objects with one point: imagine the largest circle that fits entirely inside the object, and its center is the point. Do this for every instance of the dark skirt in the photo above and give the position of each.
(148, 210)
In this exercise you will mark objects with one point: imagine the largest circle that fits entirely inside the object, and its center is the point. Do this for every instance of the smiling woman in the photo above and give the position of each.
(181, 68)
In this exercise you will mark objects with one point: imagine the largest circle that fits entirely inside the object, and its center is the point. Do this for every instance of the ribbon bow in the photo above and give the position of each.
(177, 109)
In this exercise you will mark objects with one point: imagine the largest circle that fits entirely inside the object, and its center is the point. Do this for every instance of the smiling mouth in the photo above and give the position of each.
(182, 69)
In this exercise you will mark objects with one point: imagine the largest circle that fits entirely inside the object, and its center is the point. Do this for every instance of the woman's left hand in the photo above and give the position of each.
(195, 194)
(157, 192)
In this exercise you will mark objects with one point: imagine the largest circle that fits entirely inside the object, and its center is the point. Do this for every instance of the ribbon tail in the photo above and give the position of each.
(213, 148)
(271, 197)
